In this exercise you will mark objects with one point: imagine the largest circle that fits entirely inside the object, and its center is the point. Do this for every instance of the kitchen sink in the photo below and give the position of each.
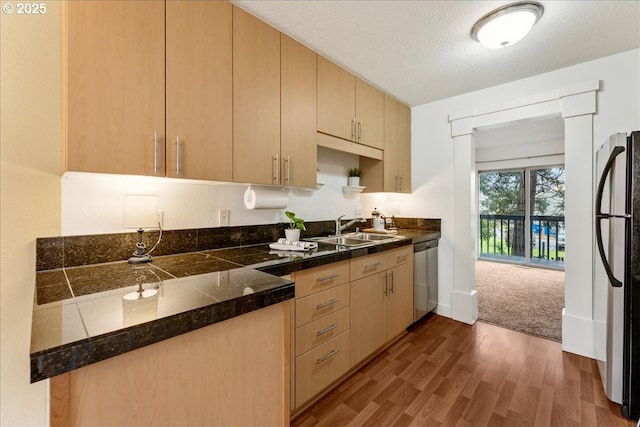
(357, 239)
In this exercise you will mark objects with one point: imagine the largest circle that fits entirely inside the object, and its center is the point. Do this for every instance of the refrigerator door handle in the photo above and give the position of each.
(600, 216)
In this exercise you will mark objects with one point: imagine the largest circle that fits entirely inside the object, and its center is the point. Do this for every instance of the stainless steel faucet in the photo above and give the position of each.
(339, 227)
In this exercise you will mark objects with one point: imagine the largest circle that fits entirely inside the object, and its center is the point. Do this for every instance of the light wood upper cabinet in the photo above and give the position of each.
(256, 100)
(115, 75)
(348, 107)
(336, 100)
(397, 146)
(199, 90)
(369, 115)
(298, 140)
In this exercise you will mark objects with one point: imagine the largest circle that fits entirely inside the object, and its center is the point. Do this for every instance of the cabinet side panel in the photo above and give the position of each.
(230, 373)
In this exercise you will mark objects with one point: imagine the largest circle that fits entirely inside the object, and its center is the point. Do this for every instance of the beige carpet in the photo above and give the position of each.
(521, 298)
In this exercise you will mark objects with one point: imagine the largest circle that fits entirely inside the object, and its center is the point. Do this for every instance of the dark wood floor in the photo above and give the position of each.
(446, 373)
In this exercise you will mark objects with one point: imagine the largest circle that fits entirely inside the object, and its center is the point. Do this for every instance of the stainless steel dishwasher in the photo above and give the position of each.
(425, 278)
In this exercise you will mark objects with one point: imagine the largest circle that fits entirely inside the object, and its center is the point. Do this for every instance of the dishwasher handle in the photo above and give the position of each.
(423, 246)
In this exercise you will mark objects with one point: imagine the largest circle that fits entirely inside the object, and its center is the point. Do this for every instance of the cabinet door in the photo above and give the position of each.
(256, 100)
(199, 103)
(298, 142)
(369, 115)
(336, 100)
(400, 299)
(368, 316)
(404, 148)
(115, 87)
(391, 153)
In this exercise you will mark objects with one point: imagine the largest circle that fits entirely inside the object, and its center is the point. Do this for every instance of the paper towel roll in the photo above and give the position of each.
(263, 198)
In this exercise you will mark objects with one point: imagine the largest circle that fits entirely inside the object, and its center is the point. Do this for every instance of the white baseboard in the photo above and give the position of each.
(464, 307)
(578, 335)
(444, 310)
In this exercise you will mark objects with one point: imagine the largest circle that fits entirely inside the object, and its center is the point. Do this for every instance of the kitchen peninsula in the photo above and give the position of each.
(216, 339)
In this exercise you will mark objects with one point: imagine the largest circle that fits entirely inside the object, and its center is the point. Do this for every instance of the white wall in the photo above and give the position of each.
(29, 196)
(92, 203)
(618, 110)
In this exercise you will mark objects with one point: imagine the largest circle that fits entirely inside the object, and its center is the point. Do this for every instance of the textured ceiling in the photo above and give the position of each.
(421, 51)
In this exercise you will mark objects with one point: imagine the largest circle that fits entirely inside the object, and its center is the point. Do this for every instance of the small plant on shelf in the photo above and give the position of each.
(354, 177)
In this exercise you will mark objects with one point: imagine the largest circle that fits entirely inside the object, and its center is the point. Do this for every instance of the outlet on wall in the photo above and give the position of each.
(223, 215)
(281, 216)
(357, 212)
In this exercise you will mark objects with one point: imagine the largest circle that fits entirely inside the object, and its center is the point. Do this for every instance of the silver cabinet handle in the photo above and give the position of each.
(359, 130)
(391, 273)
(401, 257)
(353, 129)
(327, 304)
(397, 183)
(385, 290)
(155, 152)
(276, 169)
(400, 189)
(287, 177)
(178, 149)
(329, 277)
(328, 355)
(370, 266)
(329, 329)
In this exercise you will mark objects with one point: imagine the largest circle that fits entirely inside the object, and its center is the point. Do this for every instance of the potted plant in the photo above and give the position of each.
(354, 177)
(295, 225)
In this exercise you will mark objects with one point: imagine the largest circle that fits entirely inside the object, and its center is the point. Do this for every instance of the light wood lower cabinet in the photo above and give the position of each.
(232, 373)
(368, 316)
(382, 303)
(337, 323)
(319, 367)
(320, 304)
(320, 329)
(400, 292)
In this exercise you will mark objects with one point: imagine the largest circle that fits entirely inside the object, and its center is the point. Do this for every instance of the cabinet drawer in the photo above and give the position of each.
(321, 366)
(368, 265)
(320, 304)
(321, 278)
(399, 256)
(322, 330)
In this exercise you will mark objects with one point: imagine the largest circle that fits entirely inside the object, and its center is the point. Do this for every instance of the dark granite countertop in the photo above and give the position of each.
(81, 314)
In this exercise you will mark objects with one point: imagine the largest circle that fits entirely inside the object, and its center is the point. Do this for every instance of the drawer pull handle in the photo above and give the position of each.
(370, 266)
(328, 355)
(329, 329)
(329, 277)
(327, 304)
(402, 257)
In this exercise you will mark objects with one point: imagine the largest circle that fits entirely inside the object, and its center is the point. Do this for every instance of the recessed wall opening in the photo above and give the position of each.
(521, 225)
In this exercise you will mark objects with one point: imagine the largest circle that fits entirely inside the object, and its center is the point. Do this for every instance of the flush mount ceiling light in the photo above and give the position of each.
(507, 25)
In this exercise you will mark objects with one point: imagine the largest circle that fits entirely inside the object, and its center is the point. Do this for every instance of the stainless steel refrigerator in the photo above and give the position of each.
(617, 221)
